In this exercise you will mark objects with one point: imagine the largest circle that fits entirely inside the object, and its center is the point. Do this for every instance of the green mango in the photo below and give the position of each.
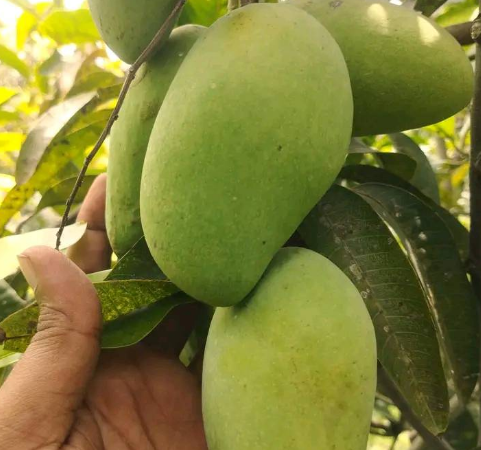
(253, 131)
(128, 26)
(293, 367)
(406, 71)
(130, 136)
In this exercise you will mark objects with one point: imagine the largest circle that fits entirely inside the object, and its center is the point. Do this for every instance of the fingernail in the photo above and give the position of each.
(28, 270)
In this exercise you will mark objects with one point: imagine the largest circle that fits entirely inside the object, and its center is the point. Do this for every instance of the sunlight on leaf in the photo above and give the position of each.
(70, 27)
(11, 246)
(11, 142)
(45, 129)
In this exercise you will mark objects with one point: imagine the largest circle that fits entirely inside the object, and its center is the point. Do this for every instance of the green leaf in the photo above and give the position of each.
(457, 12)
(51, 64)
(11, 142)
(11, 246)
(92, 81)
(117, 298)
(9, 300)
(25, 24)
(345, 229)
(58, 154)
(428, 7)
(58, 194)
(10, 59)
(434, 256)
(70, 27)
(56, 122)
(134, 327)
(8, 358)
(424, 177)
(8, 116)
(462, 432)
(137, 264)
(99, 276)
(6, 94)
(18, 283)
(369, 174)
(203, 12)
(400, 164)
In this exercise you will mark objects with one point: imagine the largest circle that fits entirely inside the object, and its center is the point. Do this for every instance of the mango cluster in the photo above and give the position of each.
(229, 136)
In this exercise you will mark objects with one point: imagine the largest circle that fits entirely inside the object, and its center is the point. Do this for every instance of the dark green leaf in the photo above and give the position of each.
(433, 253)
(118, 299)
(132, 328)
(462, 433)
(137, 264)
(10, 59)
(18, 283)
(70, 27)
(402, 165)
(9, 300)
(203, 12)
(50, 65)
(427, 7)
(56, 121)
(344, 228)
(368, 174)
(424, 177)
(58, 194)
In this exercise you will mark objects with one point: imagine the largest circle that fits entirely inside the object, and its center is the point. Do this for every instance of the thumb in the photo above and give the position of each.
(49, 382)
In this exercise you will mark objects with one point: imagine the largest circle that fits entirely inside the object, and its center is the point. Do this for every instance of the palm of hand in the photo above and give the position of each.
(139, 399)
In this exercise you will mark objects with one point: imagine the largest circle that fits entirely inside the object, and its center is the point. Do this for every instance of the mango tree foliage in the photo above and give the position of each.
(58, 85)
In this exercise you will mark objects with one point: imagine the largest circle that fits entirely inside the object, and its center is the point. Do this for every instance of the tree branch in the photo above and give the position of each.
(461, 32)
(434, 442)
(475, 172)
(145, 55)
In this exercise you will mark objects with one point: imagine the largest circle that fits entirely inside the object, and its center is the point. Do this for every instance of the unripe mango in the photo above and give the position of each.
(130, 136)
(406, 71)
(253, 131)
(292, 367)
(128, 26)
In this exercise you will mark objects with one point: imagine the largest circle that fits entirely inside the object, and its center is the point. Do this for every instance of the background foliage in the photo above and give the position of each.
(58, 84)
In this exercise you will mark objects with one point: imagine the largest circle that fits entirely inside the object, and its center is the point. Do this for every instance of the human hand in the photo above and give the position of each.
(67, 394)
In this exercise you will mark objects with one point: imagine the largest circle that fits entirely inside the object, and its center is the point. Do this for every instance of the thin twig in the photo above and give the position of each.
(146, 54)
(434, 442)
(475, 172)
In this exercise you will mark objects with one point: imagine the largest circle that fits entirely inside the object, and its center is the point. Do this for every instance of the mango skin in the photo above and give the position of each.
(406, 71)
(253, 131)
(293, 367)
(128, 26)
(130, 137)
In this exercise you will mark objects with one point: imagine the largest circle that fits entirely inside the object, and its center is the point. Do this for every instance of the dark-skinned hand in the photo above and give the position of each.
(65, 393)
